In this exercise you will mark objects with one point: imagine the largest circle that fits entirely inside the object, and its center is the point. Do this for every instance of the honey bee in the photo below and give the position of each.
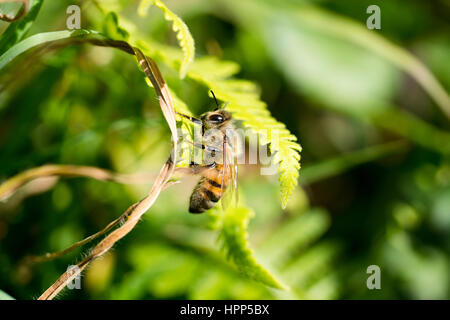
(218, 178)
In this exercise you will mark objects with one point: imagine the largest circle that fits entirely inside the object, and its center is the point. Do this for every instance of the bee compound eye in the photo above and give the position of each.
(216, 118)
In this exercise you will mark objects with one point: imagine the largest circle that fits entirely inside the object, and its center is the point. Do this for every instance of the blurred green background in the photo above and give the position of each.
(374, 187)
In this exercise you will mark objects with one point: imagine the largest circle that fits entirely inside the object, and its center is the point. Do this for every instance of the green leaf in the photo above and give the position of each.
(413, 128)
(234, 238)
(337, 165)
(335, 73)
(358, 34)
(360, 69)
(111, 28)
(16, 31)
(341, 65)
(183, 34)
(39, 39)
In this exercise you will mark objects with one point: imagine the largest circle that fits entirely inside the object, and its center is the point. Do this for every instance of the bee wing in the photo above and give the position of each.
(235, 182)
(193, 170)
(229, 169)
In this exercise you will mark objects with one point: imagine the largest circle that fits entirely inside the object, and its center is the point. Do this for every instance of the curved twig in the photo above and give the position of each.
(134, 212)
(8, 187)
(32, 259)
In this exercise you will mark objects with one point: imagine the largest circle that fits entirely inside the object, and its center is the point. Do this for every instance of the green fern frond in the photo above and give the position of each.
(179, 27)
(288, 160)
(234, 238)
(211, 68)
(215, 218)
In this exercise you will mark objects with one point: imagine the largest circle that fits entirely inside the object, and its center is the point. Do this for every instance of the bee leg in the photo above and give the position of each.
(195, 168)
(192, 119)
(202, 146)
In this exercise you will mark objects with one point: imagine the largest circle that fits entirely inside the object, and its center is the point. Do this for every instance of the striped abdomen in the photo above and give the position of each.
(208, 190)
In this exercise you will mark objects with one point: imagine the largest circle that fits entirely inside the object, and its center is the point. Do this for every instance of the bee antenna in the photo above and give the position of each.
(214, 96)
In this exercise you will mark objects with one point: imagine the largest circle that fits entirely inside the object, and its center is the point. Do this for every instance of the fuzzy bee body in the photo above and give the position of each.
(219, 170)
(219, 174)
(209, 189)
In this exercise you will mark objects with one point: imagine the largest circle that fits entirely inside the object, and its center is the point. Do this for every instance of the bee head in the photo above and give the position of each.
(215, 119)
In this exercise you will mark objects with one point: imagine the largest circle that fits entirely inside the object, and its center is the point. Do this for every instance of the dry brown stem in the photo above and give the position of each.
(133, 214)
